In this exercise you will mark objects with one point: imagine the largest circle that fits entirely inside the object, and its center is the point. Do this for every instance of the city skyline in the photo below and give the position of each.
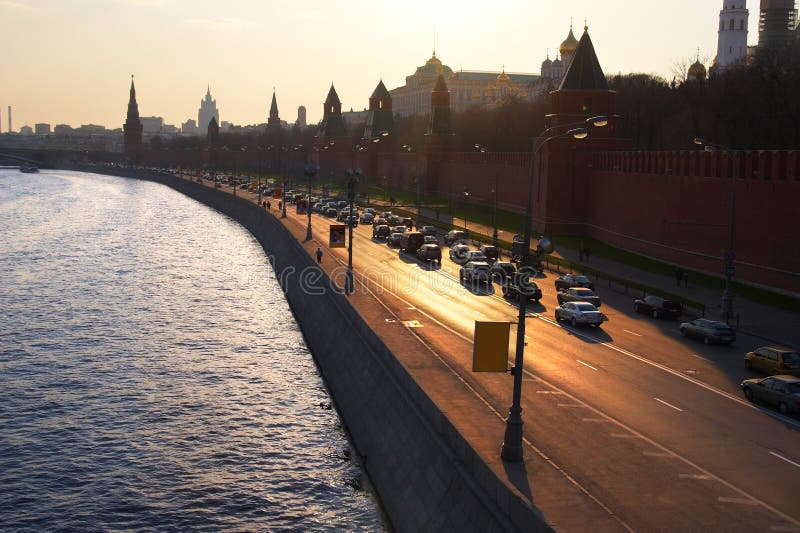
(300, 49)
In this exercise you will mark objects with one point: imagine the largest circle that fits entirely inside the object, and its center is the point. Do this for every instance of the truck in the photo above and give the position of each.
(411, 241)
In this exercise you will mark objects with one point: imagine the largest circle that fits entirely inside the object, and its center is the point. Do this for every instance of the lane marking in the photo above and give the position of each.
(548, 392)
(625, 436)
(569, 405)
(586, 364)
(706, 359)
(779, 456)
(668, 404)
(595, 420)
(741, 501)
(694, 476)
(657, 454)
(631, 332)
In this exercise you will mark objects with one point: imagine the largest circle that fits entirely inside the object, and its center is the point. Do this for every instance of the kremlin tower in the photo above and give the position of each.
(132, 139)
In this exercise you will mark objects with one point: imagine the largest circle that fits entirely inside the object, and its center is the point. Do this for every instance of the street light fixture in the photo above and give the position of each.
(353, 177)
(512, 441)
(465, 194)
(730, 256)
(482, 149)
(310, 170)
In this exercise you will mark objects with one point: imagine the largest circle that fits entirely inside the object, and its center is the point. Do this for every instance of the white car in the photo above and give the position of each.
(580, 314)
(475, 272)
(459, 253)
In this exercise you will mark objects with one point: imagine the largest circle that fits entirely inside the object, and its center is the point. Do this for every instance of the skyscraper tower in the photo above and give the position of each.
(301, 116)
(274, 120)
(132, 138)
(777, 22)
(732, 37)
(208, 110)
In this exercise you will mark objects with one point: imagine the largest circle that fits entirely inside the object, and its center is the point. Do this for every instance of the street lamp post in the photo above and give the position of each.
(465, 194)
(353, 177)
(730, 255)
(310, 170)
(512, 441)
(283, 188)
(482, 149)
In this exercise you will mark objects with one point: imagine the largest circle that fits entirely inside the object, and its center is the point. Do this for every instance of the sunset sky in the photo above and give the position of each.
(70, 61)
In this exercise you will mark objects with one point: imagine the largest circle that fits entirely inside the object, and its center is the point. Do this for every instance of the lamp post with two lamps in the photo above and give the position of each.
(465, 195)
(482, 149)
(512, 441)
(310, 169)
(353, 177)
(730, 255)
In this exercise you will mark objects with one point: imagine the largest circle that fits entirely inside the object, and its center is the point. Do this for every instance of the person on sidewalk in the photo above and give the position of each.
(319, 255)
(678, 276)
(269, 206)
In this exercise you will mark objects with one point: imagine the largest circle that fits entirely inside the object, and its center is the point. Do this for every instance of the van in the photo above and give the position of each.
(411, 241)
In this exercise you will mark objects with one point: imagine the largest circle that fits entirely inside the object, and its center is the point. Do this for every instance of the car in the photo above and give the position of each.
(578, 294)
(386, 214)
(352, 220)
(380, 221)
(773, 360)
(475, 272)
(367, 218)
(398, 229)
(430, 252)
(513, 289)
(381, 232)
(407, 222)
(658, 307)
(491, 252)
(331, 212)
(411, 241)
(573, 280)
(781, 390)
(455, 235)
(711, 331)
(502, 270)
(395, 220)
(394, 239)
(430, 239)
(579, 314)
(428, 230)
(369, 210)
(459, 253)
(477, 255)
(341, 204)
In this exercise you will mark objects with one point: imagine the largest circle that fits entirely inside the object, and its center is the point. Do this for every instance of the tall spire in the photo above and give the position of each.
(132, 137)
(274, 121)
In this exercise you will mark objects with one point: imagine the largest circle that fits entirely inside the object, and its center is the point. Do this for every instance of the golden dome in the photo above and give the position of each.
(697, 71)
(503, 76)
(569, 45)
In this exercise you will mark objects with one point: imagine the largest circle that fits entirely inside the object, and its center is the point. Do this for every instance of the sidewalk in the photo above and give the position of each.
(773, 325)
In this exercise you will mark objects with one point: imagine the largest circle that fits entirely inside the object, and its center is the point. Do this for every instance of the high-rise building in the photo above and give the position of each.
(732, 35)
(132, 138)
(301, 116)
(777, 23)
(208, 110)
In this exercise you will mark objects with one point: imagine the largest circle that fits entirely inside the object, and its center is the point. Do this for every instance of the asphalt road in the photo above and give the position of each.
(651, 425)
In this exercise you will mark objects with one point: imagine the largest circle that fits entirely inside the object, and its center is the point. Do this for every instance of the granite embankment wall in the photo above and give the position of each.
(428, 476)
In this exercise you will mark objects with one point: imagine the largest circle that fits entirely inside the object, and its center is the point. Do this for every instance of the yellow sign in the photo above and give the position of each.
(490, 351)
(337, 238)
(254, 184)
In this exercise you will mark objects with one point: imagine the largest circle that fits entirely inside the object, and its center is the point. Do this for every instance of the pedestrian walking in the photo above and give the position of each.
(280, 205)
(269, 206)
(319, 255)
(264, 205)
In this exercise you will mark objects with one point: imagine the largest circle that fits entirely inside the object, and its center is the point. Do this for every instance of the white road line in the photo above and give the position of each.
(595, 420)
(625, 436)
(694, 476)
(569, 405)
(706, 359)
(657, 454)
(586, 364)
(779, 456)
(631, 332)
(668, 404)
(741, 501)
(548, 392)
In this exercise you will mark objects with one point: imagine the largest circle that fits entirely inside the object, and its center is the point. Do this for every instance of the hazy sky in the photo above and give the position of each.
(70, 61)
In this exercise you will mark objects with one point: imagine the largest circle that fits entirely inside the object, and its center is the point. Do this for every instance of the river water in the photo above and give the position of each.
(152, 376)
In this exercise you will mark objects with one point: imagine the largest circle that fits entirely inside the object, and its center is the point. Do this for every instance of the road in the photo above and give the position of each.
(650, 425)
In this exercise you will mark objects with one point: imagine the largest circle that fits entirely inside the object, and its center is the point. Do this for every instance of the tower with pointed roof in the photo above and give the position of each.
(208, 110)
(274, 120)
(332, 125)
(132, 138)
(212, 132)
(380, 117)
(732, 36)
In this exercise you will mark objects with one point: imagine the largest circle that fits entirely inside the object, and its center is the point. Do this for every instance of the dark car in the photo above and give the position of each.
(411, 241)
(330, 212)
(394, 239)
(578, 294)
(773, 360)
(381, 232)
(492, 253)
(513, 289)
(573, 280)
(380, 221)
(782, 391)
(711, 331)
(430, 252)
(658, 307)
(455, 235)
(503, 270)
(407, 222)
(428, 230)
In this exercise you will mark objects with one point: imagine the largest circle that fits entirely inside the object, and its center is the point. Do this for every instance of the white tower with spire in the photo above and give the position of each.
(732, 41)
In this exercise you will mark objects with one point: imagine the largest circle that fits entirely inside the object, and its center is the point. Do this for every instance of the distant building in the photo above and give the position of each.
(26, 130)
(553, 71)
(332, 125)
(274, 121)
(91, 129)
(151, 125)
(42, 128)
(212, 134)
(732, 35)
(301, 117)
(63, 129)
(777, 23)
(697, 71)
(132, 139)
(190, 127)
(354, 118)
(208, 110)
(380, 118)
